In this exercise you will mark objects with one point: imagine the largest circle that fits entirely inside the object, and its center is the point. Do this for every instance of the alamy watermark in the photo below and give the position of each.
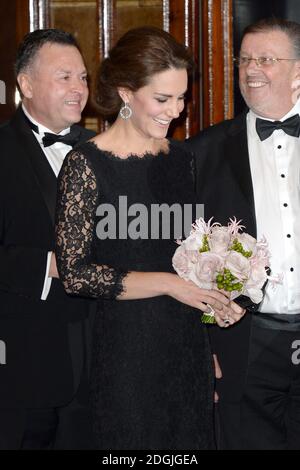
(2, 92)
(2, 352)
(161, 221)
(296, 353)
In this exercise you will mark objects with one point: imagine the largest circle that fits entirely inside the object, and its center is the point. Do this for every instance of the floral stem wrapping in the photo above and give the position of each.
(224, 258)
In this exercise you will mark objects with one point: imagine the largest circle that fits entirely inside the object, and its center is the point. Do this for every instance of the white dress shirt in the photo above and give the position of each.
(55, 155)
(275, 170)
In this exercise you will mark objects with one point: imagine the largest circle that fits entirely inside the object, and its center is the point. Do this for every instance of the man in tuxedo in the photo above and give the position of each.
(42, 392)
(249, 168)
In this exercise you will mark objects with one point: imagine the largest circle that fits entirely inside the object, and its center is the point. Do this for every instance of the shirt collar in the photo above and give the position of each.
(42, 129)
(251, 118)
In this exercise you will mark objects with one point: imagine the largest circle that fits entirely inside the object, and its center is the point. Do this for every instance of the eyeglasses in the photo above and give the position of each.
(260, 61)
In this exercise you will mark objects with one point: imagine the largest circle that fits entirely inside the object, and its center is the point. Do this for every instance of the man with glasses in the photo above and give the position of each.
(249, 167)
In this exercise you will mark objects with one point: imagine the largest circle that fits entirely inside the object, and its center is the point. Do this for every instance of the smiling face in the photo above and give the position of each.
(267, 89)
(54, 87)
(155, 105)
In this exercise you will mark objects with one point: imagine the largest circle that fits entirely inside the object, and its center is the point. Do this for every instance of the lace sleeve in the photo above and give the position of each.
(75, 218)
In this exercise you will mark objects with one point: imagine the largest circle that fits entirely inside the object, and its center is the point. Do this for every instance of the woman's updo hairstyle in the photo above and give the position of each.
(137, 56)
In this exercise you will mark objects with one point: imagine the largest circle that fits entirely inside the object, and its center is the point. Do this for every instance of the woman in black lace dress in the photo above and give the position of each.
(151, 375)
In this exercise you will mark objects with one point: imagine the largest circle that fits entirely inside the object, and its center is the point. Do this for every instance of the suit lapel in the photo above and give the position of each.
(237, 154)
(41, 168)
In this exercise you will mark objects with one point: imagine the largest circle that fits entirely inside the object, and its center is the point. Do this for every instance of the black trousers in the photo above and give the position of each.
(40, 429)
(268, 415)
(67, 427)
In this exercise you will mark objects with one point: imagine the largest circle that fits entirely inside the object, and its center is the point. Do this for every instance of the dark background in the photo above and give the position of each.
(7, 51)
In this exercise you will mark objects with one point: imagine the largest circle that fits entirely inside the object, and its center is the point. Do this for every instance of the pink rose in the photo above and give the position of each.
(248, 242)
(194, 241)
(219, 240)
(206, 269)
(238, 265)
(181, 262)
(253, 286)
(257, 277)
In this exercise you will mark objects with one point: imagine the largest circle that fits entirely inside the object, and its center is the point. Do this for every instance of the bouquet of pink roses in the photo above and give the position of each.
(225, 258)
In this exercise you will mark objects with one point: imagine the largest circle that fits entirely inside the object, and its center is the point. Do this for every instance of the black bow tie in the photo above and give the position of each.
(72, 138)
(290, 126)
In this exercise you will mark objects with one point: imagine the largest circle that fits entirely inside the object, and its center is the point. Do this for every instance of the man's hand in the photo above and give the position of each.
(53, 267)
(218, 375)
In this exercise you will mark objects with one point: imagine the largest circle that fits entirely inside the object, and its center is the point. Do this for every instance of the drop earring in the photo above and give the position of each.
(125, 111)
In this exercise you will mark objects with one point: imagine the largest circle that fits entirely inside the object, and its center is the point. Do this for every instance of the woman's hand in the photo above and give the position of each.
(229, 314)
(226, 311)
(188, 293)
(144, 285)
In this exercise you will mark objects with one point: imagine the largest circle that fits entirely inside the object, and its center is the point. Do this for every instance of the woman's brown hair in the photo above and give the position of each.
(137, 56)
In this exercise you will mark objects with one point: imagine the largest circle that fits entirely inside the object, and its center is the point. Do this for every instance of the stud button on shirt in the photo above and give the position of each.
(275, 170)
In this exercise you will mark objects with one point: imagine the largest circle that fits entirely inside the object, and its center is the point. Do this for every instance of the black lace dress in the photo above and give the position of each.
(151, 375)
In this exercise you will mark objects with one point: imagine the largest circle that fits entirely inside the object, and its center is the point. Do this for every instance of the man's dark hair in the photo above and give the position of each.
(290, 28)
(32, 43)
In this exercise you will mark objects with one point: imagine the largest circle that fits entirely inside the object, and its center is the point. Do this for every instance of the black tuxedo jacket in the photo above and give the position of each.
(43, 360)
(224, 186)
